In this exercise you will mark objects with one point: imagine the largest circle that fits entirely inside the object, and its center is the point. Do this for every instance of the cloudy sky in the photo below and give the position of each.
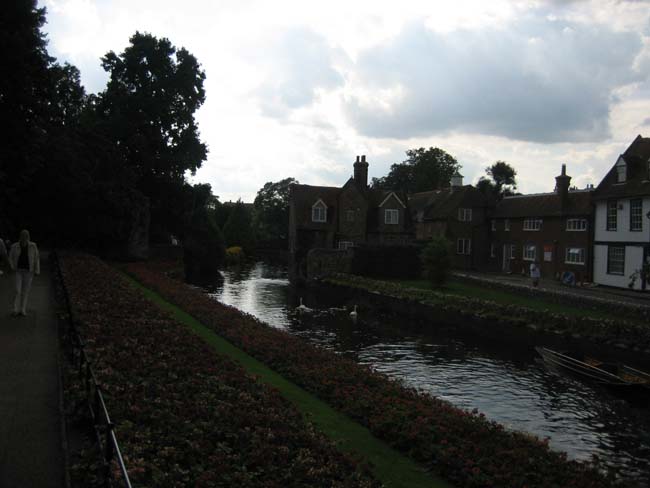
(300, 88)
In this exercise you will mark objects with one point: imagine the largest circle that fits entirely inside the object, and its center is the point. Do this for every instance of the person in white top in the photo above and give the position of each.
(535, 273)
(25, 261)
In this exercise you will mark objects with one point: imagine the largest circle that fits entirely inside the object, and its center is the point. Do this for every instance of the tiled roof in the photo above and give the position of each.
(441, 204)
(637, 182)
(544, 205)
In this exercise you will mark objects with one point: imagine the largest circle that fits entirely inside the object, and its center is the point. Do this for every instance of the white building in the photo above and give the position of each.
(622, 219)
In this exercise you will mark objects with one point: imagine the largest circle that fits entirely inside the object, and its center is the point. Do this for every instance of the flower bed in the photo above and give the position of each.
(185, 415)
(462, 447)
(621, 332)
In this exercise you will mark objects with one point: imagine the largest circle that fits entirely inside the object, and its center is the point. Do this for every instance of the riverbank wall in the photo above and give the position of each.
(425, 309)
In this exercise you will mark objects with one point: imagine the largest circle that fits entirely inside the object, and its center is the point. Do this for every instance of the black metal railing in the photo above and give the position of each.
(94, 399)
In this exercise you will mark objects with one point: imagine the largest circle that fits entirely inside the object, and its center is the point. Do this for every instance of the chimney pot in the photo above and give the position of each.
(363, 158)
(357, 159)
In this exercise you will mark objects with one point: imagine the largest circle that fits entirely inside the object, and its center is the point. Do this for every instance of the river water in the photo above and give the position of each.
(499, 377)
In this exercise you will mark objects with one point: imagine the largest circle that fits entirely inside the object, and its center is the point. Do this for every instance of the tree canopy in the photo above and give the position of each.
(423, 170)
(501, 180)
(148, 108)
(271, 218)
(237, 230)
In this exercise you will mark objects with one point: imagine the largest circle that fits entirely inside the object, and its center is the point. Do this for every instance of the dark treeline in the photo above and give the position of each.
(100, 171)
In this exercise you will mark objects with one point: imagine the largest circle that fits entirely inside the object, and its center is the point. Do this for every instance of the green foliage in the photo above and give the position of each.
(235, 255)
(271, 216)
(436, 261)
(238, 230)
(203, 247)
(148, 108)
(501, 180)
(423, 170)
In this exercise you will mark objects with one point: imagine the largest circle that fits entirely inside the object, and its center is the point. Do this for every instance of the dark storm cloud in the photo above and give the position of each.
(539, 80)
(302, 63)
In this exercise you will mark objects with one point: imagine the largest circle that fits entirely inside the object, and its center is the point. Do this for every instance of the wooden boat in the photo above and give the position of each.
(618, 376)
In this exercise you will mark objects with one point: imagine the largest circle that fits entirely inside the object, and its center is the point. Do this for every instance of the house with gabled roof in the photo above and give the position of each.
(622, 219)
(458, 213)
(553, 229)
(340, 218)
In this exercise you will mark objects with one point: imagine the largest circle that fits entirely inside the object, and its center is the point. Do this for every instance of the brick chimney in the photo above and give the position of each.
(361, 172)
(562, 183)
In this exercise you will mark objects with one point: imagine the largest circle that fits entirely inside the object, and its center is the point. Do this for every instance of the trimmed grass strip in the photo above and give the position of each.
(390, 467)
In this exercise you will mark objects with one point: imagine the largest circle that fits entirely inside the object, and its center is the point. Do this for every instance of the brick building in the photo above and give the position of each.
(459, 214)
(553, 229)
(338, 218)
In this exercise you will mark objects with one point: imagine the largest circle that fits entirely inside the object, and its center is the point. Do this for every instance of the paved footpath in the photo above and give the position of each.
(31, 453)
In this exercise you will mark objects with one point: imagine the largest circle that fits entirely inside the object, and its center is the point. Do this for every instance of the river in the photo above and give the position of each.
(500, 378)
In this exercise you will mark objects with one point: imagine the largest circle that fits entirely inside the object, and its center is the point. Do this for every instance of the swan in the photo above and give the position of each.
(302, 308)
(353, 314)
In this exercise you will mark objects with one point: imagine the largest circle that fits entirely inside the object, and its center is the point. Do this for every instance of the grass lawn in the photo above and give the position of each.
(389, 466)
(503, 297)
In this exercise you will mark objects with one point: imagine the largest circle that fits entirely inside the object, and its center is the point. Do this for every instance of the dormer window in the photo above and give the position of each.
(319, 212)
(391, 216)
(621, 171)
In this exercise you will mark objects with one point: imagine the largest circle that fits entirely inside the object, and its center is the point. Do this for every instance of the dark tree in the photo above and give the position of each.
(238, 230)
(500, 182)
(149, 105)
(271, 214)
(24, 108)
(436, 261)
(423, 170)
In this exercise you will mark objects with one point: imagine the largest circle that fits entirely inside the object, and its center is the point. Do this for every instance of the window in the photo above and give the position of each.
(349, 216)
(493, 253)
(530, 252)
(464, 246)
(465, 214)
(621, 171)
(612, 212)
(616, 260)
(575, 255)
(391, 216)
(636, 215)
(506, 224)
(532, 224)
(343, 245)
(576, 224)
(513, 251)
(319, 212)
(494, 225)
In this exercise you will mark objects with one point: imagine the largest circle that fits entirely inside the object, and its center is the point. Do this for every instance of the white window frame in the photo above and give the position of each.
(533, 225)
(506, 224)
(527, 255)
(609, 260)
(636, 217)
(572, 252)
(345, 245)
(621, 172)
(493, 250)
(513, 251)
(319, 212)
(576, 225)
(349, 215)
(464, 246)
(612, 215)
(465, 214)
(391, 216)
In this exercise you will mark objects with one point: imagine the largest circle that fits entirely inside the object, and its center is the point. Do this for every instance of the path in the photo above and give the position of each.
(31, 453)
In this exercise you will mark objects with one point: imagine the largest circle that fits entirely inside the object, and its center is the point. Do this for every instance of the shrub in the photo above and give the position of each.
(436, 261)
(387, 261)
(234, 255)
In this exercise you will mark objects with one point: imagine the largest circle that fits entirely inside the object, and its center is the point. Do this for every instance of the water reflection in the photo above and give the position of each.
(501, 380)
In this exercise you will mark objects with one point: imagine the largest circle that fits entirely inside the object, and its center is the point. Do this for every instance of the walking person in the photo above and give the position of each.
(25, 261)
(535, 273)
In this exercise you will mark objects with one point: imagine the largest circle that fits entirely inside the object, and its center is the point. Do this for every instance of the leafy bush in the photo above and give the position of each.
(386, 261)
(461, 446)
(436, 261)
(235, 255)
